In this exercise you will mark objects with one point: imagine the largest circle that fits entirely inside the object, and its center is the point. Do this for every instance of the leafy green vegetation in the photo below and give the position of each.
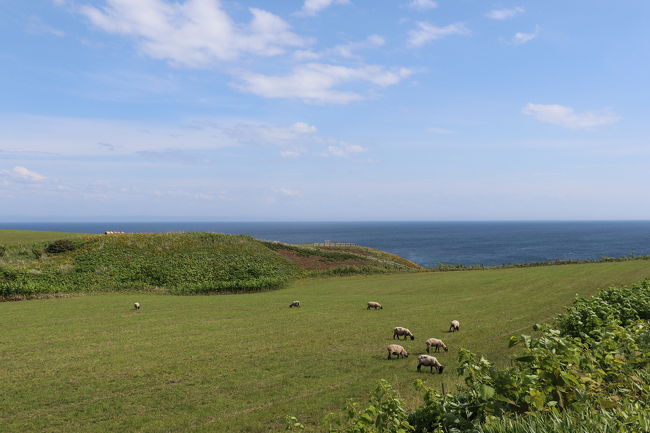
(596, 361)
(179, 263)
(217, 363)
(187, 263)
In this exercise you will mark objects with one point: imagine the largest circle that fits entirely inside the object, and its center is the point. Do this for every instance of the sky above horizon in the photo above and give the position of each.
(324, 110)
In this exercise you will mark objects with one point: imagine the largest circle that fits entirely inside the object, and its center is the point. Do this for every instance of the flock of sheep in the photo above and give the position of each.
(396, 349)
(400, 352)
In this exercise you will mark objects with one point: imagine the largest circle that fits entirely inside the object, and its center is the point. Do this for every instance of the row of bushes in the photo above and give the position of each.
(458, 267)
(591, 363)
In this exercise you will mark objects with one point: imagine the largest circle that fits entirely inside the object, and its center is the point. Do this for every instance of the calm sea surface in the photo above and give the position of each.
(426, 243)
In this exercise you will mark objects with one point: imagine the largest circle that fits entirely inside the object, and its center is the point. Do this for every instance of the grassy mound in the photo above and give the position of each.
(180, 263)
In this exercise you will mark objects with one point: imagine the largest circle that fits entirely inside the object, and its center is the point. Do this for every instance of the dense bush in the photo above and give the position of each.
(630, 417)
(60, 246)
(616, 305)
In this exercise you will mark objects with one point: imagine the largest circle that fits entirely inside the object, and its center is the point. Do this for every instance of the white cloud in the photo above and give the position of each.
(344, 50)
(315, 82)
(423, 5)
(21, 174)
(426, 33)
(504, 14)
(195, 33)
(347, 50)
(288, 192)
(306, 55)
(521, 38)
(313, 7)
(567, 117)
(344, 150)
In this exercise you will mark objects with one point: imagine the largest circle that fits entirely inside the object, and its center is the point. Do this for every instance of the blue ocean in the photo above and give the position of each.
(426, 243)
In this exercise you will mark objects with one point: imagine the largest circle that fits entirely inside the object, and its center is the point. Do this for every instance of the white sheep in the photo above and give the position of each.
(136, 306)
(399, 332)
(396, 349)
(455, 326)
(437, 343)
(294, 304)
(375, 305)
(430, 361)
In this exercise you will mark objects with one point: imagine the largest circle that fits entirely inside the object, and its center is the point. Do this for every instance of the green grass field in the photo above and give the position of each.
(18, 237)
(241, 363)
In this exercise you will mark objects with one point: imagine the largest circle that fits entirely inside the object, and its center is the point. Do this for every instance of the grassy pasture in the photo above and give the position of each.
(18, 237)
(239, 363)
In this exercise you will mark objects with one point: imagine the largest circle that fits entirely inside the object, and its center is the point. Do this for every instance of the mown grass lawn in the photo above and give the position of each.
(241, 363)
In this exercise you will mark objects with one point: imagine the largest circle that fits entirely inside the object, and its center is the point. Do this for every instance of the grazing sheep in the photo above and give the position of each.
(399, 331)
(430, 361)
(136, 306)
(434, 342)
(375, 305)
(294, 304)
(396, 349)
(455, 326)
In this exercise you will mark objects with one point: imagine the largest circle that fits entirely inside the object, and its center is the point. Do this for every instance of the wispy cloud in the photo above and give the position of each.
(343, 150)
(566, 117)
(313, 7)
(521, 38)
(423, 5)
(316, 82)
(426, 33)
(37, 26)
(288, 192)
(185, 142)
(505, 14)
(347, 51)
(197, 141)
(21, 174)
(195, 33)
(176, 156)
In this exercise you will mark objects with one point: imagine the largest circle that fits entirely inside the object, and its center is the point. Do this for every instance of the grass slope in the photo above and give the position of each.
(181, 263)
(241, 363)
(20, 237)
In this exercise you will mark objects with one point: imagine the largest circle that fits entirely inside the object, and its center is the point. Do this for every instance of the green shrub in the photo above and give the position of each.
(385, 413)
(60, 246)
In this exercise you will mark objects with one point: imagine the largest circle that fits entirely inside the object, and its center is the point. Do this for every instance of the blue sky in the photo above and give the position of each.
(324, 109)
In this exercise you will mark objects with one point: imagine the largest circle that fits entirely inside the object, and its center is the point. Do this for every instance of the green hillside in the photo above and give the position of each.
(179, 263)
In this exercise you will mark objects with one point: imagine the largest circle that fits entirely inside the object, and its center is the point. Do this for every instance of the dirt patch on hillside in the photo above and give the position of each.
(317, 263)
